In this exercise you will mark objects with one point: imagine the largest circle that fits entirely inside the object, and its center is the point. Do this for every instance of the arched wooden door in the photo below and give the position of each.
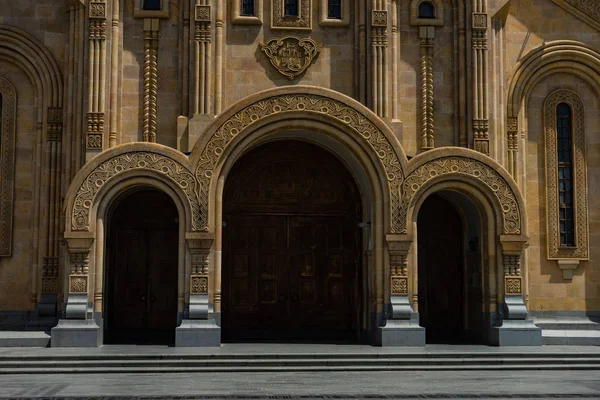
(441, 270)
(141, 281)
(291, 250)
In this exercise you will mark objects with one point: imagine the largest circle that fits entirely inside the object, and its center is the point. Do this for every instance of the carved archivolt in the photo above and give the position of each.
(469, 167)
(580, 251)
(142, 160)
(7, 165)
(364, 129)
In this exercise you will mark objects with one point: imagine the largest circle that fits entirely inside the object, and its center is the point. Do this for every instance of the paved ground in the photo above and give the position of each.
(568, 384)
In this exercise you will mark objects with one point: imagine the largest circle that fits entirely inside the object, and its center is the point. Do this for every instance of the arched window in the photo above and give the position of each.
(426, 10)
(334, 9)
(247, 8)
(565, 174)
(151, 5)
(291, 8)
(566, 180)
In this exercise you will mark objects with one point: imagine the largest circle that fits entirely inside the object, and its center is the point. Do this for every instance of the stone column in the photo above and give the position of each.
(199, 328)
(402, 327)
(479, 54)
(515, 330)
(151, 27)
(77, 328)
(426, 35)
(379, 64)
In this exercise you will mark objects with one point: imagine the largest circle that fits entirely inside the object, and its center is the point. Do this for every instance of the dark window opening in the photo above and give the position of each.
(247, 7)
(565, 174)
(291, 8)
(426, 10)
(152, 5)
(334, 9)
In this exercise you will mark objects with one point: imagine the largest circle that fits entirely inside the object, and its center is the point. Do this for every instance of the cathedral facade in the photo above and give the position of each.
(392, 172)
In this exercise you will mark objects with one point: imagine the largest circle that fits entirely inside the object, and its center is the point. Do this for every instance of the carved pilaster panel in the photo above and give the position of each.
(95, 130)
(379, 18)
(481, 129)
(199, 284)
(479, 21)
(78, 284)
(50, 275)
(54, 124)
(512, 129)
(202, 13)
(7, 165)
(513, 285)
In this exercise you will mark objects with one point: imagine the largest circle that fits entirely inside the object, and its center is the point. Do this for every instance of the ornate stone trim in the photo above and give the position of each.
(290, 55)
(581, 249)
(365, 131)
(199, 284)
(7, 165)
(302, 22)
(586, 10)
(143, 160)
(455, 165)
(54, 124)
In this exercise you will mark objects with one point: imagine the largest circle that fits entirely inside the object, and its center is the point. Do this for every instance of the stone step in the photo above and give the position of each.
(571, 337)
(24, 339)
(576, 324)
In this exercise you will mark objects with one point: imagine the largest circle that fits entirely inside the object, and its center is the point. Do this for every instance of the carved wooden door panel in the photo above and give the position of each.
(322, 275)
(162, 281)
(128, 287)
(440, 270)
(254, 295)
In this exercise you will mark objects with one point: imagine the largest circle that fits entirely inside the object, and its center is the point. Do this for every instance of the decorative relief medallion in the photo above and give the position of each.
(512, 285)
(7, 165)
(199, 284)
(281, 21)
(290, 55)
(78, 283)
(581, 249)
(399, 285)
(202, 13)
(463, 166)
(364, 129)
(379, 18)
(80, 217)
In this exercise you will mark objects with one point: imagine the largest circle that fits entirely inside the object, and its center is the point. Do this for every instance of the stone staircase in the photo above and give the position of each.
(561, 330)
(45, 361)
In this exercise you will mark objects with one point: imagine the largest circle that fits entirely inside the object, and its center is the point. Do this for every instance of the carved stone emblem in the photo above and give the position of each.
(291, 56)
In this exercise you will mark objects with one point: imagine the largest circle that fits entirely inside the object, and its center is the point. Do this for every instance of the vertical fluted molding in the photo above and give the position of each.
(479, 58)
(151, 26)
(218, 56)
(203, 75)
(379, 63)
(96, 76)
(426, 87)
(185, 56)
(361, 70)
(114, 76)
(395, 51)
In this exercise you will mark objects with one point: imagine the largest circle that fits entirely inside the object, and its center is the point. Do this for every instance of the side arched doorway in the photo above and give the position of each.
(450, 269)
(141, 274)
(291, 246)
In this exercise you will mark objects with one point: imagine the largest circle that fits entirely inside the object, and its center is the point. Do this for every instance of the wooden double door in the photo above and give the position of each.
(141, 280)
(291, 247)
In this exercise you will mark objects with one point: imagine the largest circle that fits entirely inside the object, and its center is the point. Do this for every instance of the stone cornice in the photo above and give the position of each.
(586, 10)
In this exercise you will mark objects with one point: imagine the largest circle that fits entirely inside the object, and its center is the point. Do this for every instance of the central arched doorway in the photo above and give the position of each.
(291, 246)
(141, 278)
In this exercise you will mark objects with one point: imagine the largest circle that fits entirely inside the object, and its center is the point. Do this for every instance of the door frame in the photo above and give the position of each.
(100, 251)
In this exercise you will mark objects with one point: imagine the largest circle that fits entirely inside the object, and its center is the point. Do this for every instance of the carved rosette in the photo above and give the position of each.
(7, 165)
(581, 249)
(290, 55)
(365, 131)
(176, 172)
(468, 167)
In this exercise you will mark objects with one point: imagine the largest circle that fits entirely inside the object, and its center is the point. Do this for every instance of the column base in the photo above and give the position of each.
(516, 333)
(400, 333)
(198, 333)
(76, 333)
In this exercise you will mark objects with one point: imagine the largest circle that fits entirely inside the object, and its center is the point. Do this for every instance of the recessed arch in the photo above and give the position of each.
(480, 172)
(304, 107)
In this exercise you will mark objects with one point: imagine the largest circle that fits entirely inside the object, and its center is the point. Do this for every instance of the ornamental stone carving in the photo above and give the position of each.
(467, 167)
(581, 249)
(588, 7)
(290, 55)
(158, 163)
(7, 165)
(365, 131)
(302, 22)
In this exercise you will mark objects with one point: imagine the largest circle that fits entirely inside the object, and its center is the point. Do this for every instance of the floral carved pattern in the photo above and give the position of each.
(469, 167)
(177, 173)
(588, 7)
(580, 251)
(7, 165)
(512, 285)
(364, 129)
(290, 55)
